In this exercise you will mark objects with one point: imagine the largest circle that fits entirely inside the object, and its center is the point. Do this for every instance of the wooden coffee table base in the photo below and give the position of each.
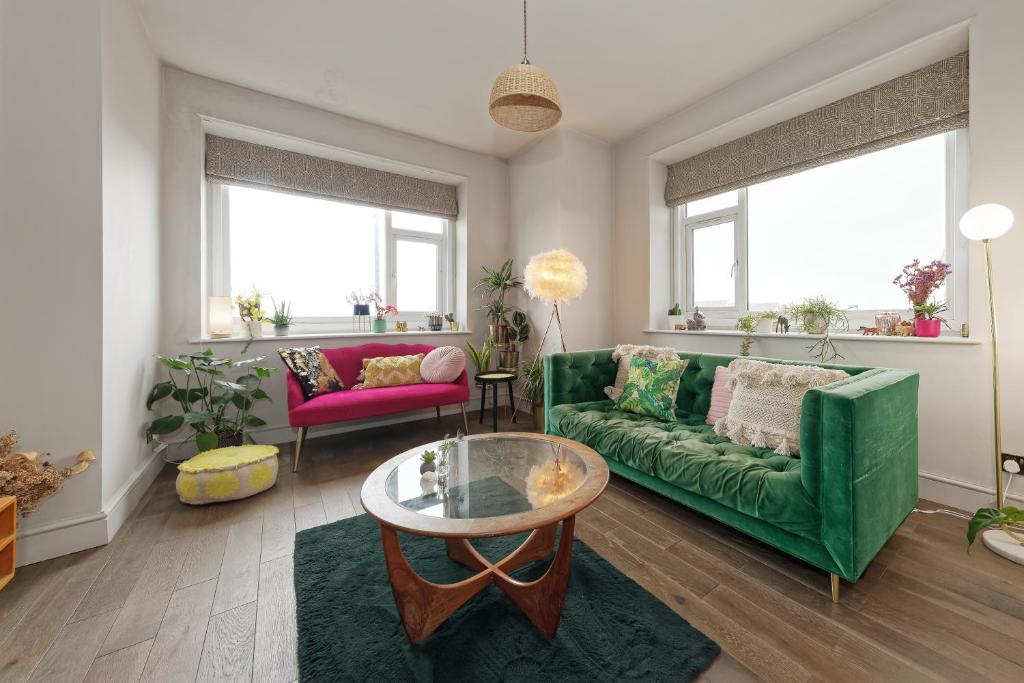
(423, 605)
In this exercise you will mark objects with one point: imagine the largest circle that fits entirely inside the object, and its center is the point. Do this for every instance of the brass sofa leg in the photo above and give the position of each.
(465, 420)
(835, 587)
(438, 409)
(300, 435)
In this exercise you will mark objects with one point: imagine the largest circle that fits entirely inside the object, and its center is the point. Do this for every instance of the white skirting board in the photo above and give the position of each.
(67, 536)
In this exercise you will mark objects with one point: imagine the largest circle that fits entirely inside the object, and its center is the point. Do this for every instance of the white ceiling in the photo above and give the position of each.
(426, 67)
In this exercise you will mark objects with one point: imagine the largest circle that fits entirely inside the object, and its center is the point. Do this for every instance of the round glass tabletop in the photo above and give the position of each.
(490, 477)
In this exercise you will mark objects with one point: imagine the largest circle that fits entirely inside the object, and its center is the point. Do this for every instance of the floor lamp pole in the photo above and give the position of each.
(995, 374)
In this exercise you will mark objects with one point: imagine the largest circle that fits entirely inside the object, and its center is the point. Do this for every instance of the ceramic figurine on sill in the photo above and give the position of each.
(869, 331)
(782, 325)
(696, 324)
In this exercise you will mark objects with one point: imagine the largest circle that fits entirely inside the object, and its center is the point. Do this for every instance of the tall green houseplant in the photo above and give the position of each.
(213, 396)
(498, 283)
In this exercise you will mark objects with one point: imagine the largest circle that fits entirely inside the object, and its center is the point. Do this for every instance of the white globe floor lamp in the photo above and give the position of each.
(985, 223)
(554, 277)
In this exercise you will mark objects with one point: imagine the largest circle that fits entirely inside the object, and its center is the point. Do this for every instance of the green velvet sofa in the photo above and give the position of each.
(834, 507)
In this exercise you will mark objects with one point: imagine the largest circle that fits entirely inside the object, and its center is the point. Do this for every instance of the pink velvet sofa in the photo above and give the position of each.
(354, 405)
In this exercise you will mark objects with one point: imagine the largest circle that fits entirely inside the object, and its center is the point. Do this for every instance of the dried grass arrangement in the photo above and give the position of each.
(31, 480)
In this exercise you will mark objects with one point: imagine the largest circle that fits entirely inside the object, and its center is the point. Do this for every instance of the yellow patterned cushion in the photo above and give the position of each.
(392, 371)
(227, 474)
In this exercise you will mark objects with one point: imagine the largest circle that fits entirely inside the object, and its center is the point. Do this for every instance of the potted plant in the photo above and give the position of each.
(434, 321)
(518, 333)
(1009, 519)
(927, 321)
(919, 282)
(498, 283)
(453, 324)
(282, 318)
(380, 323)
(532, 388)
(675, 317)
(360, 302)
(481, 357)
(427, 464)
(250, 310)
(818, 315)
(760, 322)
(217, 409)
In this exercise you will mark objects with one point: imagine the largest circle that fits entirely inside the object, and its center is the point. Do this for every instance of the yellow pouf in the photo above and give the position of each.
(227, 474)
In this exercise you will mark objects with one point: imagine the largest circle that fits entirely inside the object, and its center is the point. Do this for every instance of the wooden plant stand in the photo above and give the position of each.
(8, 532)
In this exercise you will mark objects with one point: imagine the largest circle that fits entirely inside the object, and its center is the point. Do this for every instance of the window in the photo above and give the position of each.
(313, 252)
(843, 231)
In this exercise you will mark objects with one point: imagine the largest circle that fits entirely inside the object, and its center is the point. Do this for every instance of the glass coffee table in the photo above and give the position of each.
(495, 485)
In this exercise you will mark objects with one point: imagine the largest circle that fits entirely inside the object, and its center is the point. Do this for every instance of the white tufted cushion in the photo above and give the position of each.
(766, 403)
(442, 365)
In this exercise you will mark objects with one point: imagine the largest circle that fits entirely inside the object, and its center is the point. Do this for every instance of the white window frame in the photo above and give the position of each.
(218, 258)
(957, 249)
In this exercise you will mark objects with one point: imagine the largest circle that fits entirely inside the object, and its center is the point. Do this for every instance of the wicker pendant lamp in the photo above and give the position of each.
(523, 97)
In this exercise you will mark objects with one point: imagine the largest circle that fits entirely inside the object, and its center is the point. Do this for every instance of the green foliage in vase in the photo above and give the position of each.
(1004, 518)
(210, 403)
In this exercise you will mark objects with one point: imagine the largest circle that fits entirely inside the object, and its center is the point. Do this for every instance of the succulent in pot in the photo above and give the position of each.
(282, 317)
(427, 463)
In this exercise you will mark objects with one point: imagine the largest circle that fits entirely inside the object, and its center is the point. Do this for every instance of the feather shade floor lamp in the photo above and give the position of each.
(554, 277)
(985, 223)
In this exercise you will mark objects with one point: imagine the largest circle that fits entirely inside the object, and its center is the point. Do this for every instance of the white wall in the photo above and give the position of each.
(561, 197)
(483, 223)
(956, 441)
(51, 241)
(131, 263)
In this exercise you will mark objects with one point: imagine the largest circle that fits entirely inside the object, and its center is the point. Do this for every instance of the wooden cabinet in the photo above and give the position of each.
(8, 530)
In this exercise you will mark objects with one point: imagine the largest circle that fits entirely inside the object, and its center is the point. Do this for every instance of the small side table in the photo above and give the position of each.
(493, 379)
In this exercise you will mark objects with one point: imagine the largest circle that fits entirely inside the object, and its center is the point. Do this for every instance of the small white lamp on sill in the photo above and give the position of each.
(220, 317)
(985, 223)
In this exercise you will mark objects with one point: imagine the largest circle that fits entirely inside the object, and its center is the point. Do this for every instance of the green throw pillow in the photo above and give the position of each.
(651, 387)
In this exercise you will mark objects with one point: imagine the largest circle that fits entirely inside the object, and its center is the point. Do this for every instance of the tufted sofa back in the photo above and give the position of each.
(582, 375)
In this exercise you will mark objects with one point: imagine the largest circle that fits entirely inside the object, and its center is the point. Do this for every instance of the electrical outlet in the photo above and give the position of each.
(1019, 459)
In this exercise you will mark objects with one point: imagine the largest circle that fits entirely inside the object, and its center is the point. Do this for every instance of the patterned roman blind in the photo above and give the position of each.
(246, 163)
(918, 104)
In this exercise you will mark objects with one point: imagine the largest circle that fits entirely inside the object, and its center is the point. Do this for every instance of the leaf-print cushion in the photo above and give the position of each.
(651, 387)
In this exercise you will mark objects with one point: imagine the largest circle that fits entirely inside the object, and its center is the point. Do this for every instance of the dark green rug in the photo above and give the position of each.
(611, 628)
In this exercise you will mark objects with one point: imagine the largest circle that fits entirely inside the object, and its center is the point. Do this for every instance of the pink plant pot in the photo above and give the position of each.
(927, 328)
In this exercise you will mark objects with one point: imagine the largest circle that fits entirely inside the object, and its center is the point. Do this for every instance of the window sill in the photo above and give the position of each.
(846, 337)
(390, 334)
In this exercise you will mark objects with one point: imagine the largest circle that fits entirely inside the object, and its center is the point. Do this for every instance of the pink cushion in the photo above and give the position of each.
(444, 364)
(353, 405)
(721, 395)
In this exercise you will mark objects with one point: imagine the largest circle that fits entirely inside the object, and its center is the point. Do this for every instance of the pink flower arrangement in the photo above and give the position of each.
(384, 310)
(918, 282)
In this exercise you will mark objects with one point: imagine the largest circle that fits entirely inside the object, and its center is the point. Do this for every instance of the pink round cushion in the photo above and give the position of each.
(443, 365)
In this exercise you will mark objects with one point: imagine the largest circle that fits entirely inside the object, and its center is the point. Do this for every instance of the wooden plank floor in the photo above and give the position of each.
(206, 593)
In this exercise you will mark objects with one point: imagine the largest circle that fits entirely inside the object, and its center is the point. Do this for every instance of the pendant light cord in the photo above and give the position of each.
(526, 60)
